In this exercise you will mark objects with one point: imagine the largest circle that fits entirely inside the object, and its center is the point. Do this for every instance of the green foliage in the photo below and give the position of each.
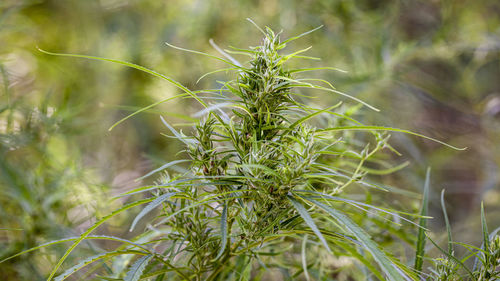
(486, 258)
(384, 45)
(253, 159)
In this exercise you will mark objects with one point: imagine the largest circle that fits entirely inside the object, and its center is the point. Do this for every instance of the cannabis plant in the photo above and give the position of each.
(266, 189)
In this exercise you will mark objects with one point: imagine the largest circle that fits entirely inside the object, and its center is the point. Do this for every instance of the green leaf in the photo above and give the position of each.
(452, 258)
(92, 228)
(145, 109)
(163, 167)
(92, 259)
(388, 129)
(137, 268)
(301, 35)
(388, 267)
(447, 222)
(307, 218)
(203, 54)
(356, 204)
(178, 135)
(303, 119)
(69, 239)
(132, 65)
(223, 230)
(420, 251)
(155, 203)
(486, 239)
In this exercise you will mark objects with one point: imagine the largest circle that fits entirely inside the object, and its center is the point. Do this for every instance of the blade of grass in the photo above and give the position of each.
(447, 222)
(132, 65)
(420, 250)
(92, 228)
(93, 259)
(388, 129)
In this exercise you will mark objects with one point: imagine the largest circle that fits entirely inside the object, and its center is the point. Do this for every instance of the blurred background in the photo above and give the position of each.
(430, 66)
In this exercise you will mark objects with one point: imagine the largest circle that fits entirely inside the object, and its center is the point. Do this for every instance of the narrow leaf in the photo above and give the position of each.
(486, 240)
(388, 129)
(132, 65)
(137, 268)
(420, 251)
(223, 230)
(92, 259)
(150, 207)
(307, 218)
(169, 164)
(92, 228)
(447, 222)
(388, 267)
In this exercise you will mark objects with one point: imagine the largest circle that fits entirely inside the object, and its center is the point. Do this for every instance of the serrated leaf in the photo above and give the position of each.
(309, 221)
(150, 207)
(388, 267)
(223, 230)
(137, 268)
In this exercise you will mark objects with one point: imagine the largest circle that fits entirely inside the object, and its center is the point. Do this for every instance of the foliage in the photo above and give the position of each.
(408, 64)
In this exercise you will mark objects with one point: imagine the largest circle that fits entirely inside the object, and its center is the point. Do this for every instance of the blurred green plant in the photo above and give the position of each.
(451, 267)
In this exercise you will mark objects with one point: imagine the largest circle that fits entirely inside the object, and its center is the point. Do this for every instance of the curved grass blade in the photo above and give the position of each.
(93, 259)
(447, 222)
(222, 52)
(388, 267)
(484, 226)
(137, 268)
(357, 204)
(388, 129)
(132, 65)
(146, 108)
(298, 70)
(163, 167)
(69, 239)
(301, 35)
(309, 221)
(92, 228)
(203, 54)
(486, 240)
(178, 135)
(305, 118)
(155, 203)
(257, 26)
(302, 84)
(420, 251)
